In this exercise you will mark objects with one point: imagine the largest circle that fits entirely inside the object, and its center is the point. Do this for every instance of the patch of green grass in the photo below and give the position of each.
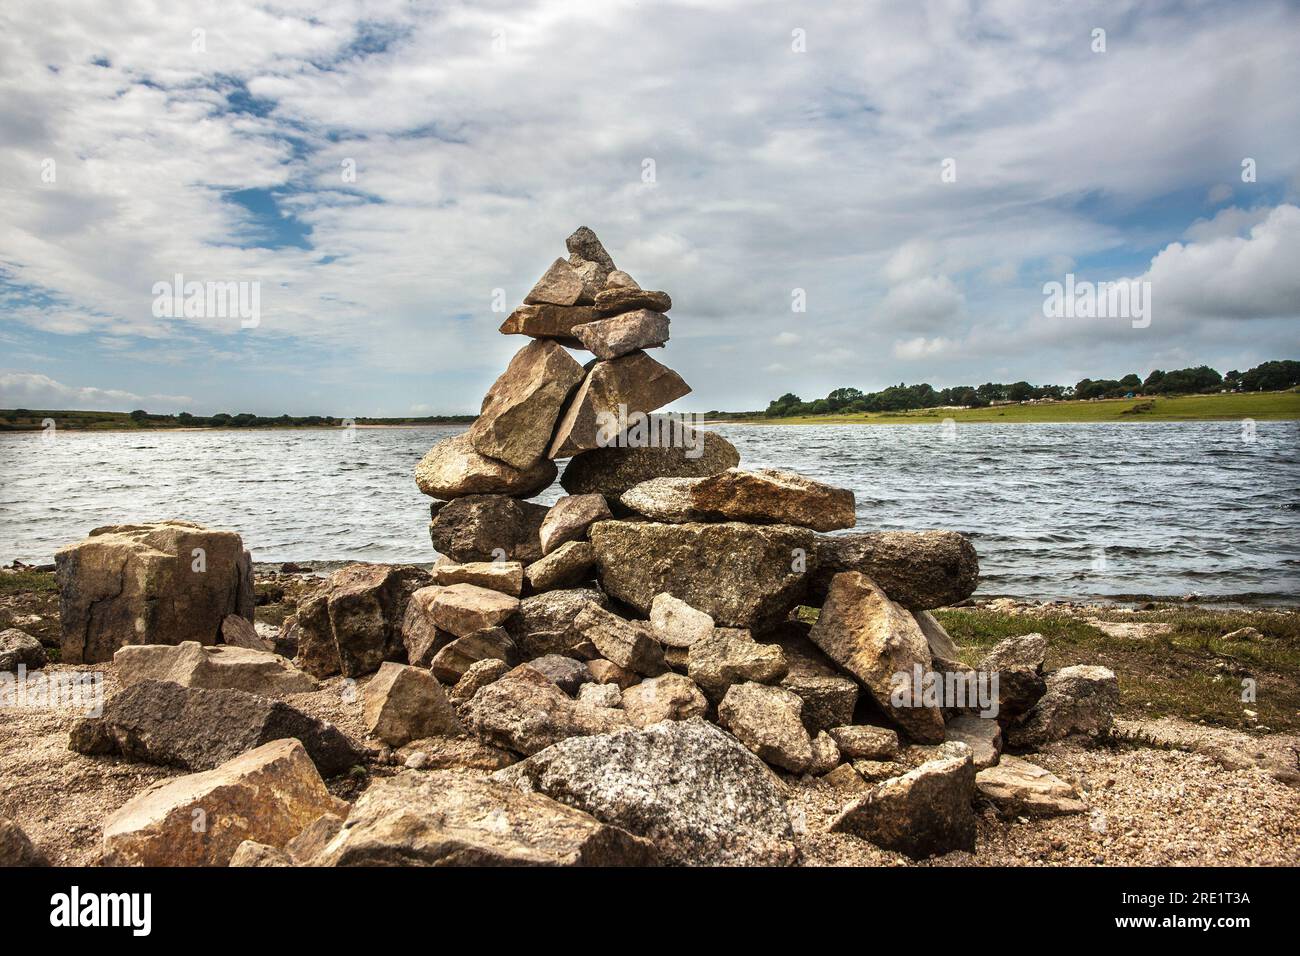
(14, 582)
(1261, 406)
(1189, 672)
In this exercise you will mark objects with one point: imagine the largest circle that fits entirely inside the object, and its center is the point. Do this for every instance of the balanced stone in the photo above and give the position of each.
(587, 255)
(612, 471)
(520, 410)
(618, 300)
(453, 469)
(612, 337)
(613, 391)
(564, 567)
(918, 569)
(561, 284)
(548, 322)
(771, 495)
(504, 576)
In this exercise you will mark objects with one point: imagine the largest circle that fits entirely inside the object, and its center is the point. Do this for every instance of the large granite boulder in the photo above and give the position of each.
(741, 575)
(612, 471)
(691, 789)
(443, 818)
(196, 728)
(631, 384)
(488, 528)
(160, 583)
(879, 643)
(217, 667)
(453, 469)
(918, 569)
(520, 410)
(268, 795)
(352, 623)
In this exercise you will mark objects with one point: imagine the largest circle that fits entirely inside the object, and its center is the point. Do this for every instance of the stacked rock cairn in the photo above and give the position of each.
(639, 673)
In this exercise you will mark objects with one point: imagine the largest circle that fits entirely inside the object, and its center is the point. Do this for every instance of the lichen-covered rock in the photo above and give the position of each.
(879, 643)
(917, 569)
(1078, 700)
(448, 819)
(863, 742)
(731, 656)
(525, 711)
(488, 528)
(691, 789)
(453, 468)
(267, 795)
(741, 575)
(353, 622)
(629, 644)
(521, 408)
(196, 728)
(667, 697)
(547, 623)
(772, 496)
(404, 703)
(612, 471)
(161, 583)
(926, 811)
(766, 720)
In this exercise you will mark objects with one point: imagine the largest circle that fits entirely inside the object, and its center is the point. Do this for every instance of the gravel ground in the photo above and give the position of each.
(1150, 806)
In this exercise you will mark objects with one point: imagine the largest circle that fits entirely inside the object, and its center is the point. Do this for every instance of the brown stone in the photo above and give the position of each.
(267, 795)
(613, 392)
(452, 662)
(569, 564)
(629, 644)
(548, 322)
(560, 285)
(730, 656)
(741, 575)
(462, 609)
(667, 697)
(876, 640)
(772, 496)
(504, 576)
(766, 720)
(569, 519)
(220, 667)
(404, 703)
(621, 334)
(1018, 786)
(488, 528)
(588, 256)
(618, 300)
(526, 712)
(863, 742)
(453, 469)
(520, 410)
(612, 471)
(161, 583)
(918, 569)
(478, 676)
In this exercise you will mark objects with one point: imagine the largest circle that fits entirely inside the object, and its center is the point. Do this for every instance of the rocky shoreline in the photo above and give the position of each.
(680, 662)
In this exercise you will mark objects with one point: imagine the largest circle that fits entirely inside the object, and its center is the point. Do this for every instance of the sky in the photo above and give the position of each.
(834, 194)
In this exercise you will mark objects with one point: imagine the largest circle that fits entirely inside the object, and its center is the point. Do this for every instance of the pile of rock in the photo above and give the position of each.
(631, 675)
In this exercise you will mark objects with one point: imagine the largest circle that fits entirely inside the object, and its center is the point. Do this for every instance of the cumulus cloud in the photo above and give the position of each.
(28, 390)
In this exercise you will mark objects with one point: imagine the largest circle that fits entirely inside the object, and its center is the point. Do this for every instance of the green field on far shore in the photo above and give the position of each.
(1230, 406)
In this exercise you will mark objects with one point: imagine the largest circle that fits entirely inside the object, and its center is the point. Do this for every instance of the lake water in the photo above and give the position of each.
(1055, 511)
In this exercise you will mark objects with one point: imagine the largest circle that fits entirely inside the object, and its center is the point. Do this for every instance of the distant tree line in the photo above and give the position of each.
(1270, 376)
(24, 419)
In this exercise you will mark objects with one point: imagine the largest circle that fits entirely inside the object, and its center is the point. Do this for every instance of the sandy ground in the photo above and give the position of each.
(1219, 801)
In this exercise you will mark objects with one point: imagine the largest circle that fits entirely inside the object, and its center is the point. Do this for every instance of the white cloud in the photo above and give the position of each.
(29, 390)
